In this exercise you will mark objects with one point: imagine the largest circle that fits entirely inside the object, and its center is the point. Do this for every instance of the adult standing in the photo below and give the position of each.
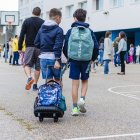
(108, 51)
(122, 51)
(29, 31)
(138, 54)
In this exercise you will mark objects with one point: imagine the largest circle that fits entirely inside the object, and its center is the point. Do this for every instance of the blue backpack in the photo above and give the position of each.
(50, 94)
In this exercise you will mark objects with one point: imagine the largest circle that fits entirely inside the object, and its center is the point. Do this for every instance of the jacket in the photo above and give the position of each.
(108, 49)
(96, 45)
(122, 46)
(15, 45)
(50, 38)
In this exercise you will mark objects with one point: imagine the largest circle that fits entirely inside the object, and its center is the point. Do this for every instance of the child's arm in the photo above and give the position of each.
(65, 48)
(58, 45)
(37, 40)
(22, 35)
(96, 47)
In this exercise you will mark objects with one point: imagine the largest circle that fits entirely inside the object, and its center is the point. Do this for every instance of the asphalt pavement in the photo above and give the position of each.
(113, 104)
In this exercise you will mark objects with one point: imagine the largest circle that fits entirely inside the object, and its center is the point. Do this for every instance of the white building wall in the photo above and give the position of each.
(124, 17)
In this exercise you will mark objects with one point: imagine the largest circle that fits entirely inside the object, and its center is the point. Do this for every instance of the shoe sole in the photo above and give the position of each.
(75, 114)
(82, 108)
(29, 85)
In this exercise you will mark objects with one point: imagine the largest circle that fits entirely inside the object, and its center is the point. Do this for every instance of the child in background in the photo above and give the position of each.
(138, 54)
(131, 53)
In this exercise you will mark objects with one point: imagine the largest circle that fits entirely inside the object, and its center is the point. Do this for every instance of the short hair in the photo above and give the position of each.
(122, 34)
(36, 11)
(80, 15)
(107, 34)
(55, 12)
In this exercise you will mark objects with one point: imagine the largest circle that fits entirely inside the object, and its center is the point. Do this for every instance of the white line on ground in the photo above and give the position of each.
(123, 93)
(105, 137)
(130, 92)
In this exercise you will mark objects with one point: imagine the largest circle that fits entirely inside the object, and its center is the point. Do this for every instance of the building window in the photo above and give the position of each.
(83, 5)
(69, 10)
(117, 3)
(99, 4)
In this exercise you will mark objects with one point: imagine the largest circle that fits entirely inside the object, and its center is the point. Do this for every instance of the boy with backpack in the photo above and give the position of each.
(50, 42)
(81, 47)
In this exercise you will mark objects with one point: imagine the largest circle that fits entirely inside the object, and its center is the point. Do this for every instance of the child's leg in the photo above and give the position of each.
(84, 88)
(75, 87)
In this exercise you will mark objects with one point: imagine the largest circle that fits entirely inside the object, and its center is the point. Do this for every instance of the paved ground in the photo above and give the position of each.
(113, 108)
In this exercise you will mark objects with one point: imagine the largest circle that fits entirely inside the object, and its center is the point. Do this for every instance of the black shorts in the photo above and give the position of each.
(31, 58)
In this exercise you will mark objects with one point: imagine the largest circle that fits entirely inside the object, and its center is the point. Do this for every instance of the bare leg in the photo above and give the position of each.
(36, 76)
(75, 87)
(27, 71)
(31, 81)
(84, 88)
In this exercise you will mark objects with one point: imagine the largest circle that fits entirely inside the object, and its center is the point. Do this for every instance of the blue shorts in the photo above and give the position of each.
(79, 70)
(48, 70)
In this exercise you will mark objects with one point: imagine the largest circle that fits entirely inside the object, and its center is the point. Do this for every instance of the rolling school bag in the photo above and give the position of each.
(50, 103)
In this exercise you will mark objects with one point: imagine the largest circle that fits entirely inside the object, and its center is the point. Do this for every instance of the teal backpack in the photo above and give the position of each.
(80, 44)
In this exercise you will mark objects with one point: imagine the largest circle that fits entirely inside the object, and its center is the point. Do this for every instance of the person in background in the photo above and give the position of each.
(15, 51)
(108, 51)
(10, 51)
(0, 50)
(122, 51)
(101, 50)
(28, 33)
(116, 56)
(131, 53)
(23, 53)
(4, 55)
(138, 54)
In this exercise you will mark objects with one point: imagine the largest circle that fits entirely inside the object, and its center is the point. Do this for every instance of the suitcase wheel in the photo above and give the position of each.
(55, 119)
(40, 119)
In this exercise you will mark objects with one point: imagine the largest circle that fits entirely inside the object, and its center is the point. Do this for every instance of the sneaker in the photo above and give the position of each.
(30, 81)
(81, 105)
(35, 88)
(75, 111)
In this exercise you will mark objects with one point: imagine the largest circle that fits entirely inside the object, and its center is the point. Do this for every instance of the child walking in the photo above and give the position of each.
(81, 47)
(50, 42)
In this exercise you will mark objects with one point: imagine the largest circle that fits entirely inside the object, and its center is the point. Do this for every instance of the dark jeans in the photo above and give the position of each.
(16, 57)
(122, 54)
(116, 59)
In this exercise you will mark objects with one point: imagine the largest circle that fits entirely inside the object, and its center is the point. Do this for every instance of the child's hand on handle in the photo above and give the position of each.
(57, 65)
